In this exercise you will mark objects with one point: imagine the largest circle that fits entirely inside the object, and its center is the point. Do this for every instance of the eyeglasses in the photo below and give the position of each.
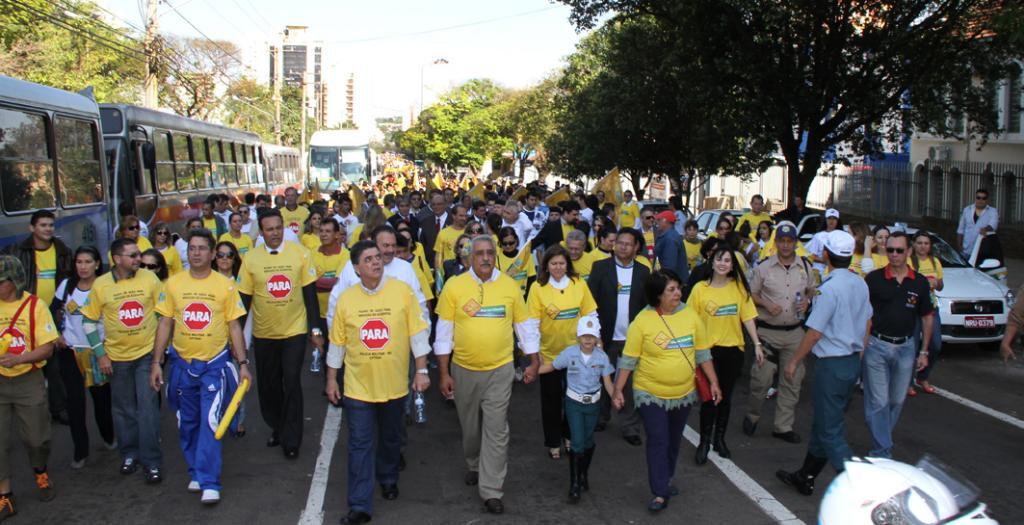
(131, 228)
(163, 232)
(981, 197)
(509, 243)
(223, 255)
(649, 218)
(890, 249)
(135, 255)
(152, 266)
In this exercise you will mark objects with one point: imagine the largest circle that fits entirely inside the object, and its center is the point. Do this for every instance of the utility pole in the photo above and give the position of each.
(302, 115)
(278, 71)
(151, 98)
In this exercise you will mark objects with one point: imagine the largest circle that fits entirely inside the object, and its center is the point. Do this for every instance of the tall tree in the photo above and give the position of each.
(202, 69)
(835, 75)
(527, 119)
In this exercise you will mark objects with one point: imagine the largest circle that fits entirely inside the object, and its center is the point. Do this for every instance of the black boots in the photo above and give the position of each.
(713, 422)
(588, 456)
(707, 425)
(721, 423)
(575, 459)
(803, 479)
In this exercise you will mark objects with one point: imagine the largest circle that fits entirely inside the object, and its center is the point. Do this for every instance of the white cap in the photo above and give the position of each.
(840, 243)
(588, 326)
(831, 213)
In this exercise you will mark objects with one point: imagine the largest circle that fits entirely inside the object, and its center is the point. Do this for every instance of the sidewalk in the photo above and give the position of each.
(1015, 274)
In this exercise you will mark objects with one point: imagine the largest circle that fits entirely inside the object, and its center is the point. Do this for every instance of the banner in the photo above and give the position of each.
(611, 185)
(358, 200)
(477, 191)
(561, 195)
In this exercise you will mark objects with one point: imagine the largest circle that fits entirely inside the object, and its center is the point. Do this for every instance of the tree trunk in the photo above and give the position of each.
(522, 170)
(801, 175)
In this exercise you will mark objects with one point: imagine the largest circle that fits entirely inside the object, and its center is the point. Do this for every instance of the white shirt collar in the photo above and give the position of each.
(494, 275)
(279, 249)
(560, 284)
(375, 290)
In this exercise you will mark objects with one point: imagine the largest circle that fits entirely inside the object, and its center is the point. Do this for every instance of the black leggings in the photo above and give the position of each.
(74, 384)
(552, 408)
(728, 361)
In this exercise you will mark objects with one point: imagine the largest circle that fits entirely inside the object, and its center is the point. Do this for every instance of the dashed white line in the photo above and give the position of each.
(313, 514)
(758, 494)
(1005, 418)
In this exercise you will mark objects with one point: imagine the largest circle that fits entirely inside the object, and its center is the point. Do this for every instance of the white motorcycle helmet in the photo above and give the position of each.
(885, 492)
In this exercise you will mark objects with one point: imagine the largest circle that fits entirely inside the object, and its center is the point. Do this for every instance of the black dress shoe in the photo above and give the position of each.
(273, 442)
(749, 427)
(633, 440)
(494, 506)
(788, 437)
(291, 453)
(803, 484)
(355, 518)
(389, 491)
(472, 478)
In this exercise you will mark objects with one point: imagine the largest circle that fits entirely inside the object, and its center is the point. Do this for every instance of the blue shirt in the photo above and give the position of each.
(840, 312)
(671, 254)
(584, 378)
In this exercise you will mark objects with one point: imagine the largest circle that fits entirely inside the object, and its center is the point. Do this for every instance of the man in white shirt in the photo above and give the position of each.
(536, 215)
(511, 217)
(816, 245)
(976, 220)
(343, 214)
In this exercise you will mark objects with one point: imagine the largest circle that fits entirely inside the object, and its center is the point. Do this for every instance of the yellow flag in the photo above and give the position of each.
(435, 182)
(558, 196)
(358, 200)
(519, 193)
(611, 185)
(477, 191)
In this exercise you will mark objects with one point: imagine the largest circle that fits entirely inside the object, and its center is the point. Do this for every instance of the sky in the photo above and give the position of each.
(388, 44)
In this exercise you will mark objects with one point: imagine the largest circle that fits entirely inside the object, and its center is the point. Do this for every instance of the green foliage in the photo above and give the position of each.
(527, 119)
(249, 105)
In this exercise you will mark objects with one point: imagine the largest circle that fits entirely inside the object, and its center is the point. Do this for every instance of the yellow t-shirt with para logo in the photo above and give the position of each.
(294, 219)
(328, 266)
(483, 315)
(666, 351)
(25, 340)
(723, 310)
(927, 266)
(559, 311)
(275, 283)
(375, 329)
(46, 274)
(126, 309)
(201, 309)
(242, 243)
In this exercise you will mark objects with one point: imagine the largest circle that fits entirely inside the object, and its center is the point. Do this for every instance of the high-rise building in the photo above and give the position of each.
(350, 95)
(301, 57)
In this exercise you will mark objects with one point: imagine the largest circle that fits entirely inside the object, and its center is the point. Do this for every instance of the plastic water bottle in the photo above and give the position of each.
(420, 404)
(799, 299)
(317, 359)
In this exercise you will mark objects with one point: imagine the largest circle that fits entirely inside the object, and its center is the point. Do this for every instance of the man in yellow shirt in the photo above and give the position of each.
(124, 300)
(753, 218)
(294, 216)
(444, 246)
(27, 321)
(276, 282)
(376, 325)
(202, 309)
(582, 261)
(629, 212)
(483, 304)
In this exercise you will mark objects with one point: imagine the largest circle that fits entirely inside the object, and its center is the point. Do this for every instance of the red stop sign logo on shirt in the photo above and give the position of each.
(131, 313)
(374, 334)
(295, 226)
(17, 345)
(197, 316)
(279, 286)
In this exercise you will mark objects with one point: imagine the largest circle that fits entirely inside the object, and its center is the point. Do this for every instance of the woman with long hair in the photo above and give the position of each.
(79, 370)
(242, 241)
(860, 233)
(924, 261)
(311, 229)
(373, 217)
(874, 250)
(459, 264)
(129, 229)
(227, 260)
(556, 303)
(514, 262)
(724, 303)
(153, 261)
(160, 237)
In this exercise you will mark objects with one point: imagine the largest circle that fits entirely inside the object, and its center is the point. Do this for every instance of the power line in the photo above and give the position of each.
(208, 39)
(245, 11)
(440, 29)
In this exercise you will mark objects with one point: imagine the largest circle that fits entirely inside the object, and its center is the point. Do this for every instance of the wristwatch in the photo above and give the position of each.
(244, 361)
(423, 371)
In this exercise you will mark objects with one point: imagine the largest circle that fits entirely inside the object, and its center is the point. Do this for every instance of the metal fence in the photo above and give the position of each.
(940, 190)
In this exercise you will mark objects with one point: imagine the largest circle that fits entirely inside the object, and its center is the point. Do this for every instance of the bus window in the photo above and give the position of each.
(26, 165)
(217, 158)
(77, 164)
(203, 175)
(164, 162)
(254, 174)
(183, 169)
(229, 160)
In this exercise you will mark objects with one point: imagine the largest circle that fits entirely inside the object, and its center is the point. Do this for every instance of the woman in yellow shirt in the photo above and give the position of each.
(556, 303)
(242, 242)
(860, 232)
(723, 302)
(160, 237)
(875, 246)
(665, 344)
(129, 229)
(924, 261)
(516, 263)
(311, 230)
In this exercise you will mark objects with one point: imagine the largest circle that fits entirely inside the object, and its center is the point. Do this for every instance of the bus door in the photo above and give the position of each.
(142, 160)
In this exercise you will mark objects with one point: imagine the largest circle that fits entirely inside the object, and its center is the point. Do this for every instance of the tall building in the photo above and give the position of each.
(301, 56)
(350, 95)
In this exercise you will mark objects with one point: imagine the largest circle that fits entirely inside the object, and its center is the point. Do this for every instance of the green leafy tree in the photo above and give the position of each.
(527, 119)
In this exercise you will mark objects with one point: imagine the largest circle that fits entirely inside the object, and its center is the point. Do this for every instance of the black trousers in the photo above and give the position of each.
(279, 384)
(728, 361)
(552, 408)
(74, 387)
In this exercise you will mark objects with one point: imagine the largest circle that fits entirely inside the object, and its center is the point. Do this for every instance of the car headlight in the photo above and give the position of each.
(1011, 299)
(910, 507)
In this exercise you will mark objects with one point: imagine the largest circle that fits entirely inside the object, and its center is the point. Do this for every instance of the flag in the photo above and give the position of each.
(435, 182)
(358, 200)
(561, 195)
(477, 191)
(611, 185)
(519, 193)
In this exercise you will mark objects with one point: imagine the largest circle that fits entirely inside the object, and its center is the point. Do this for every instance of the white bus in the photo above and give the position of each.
(341, 155)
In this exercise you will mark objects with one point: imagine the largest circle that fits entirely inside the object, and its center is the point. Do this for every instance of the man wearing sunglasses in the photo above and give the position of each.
(976, 220)
(899, 297)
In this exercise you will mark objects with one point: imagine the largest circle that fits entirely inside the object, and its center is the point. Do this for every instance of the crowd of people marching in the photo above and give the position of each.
(613, 308)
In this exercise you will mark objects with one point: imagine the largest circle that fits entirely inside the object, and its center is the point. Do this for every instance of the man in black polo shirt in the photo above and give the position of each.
(899, 296)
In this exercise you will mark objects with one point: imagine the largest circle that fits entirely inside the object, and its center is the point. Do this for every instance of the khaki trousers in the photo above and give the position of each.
(24, 407)
(785, 342)
(482, 399)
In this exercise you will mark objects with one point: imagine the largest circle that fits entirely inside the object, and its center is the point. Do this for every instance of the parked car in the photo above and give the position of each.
(708, 219)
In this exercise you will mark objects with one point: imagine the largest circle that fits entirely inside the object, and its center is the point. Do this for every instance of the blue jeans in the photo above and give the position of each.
(834, 381)
(582, 418)
(887, 372)
(136, 411)
(664, 429)
(374, 446)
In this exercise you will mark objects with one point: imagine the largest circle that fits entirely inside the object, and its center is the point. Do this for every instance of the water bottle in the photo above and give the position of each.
(420, 404)
(799, 299)
(317, 358)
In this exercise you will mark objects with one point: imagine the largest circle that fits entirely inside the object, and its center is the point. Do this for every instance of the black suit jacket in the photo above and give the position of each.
(414, 223)
(604, 286)
(428, 233)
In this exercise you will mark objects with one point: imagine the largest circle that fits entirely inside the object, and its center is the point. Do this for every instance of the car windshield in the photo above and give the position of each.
(949, 257)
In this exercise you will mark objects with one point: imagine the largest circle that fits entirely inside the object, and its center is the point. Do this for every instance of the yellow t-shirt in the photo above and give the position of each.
(648, 249)
(928, 266)
(46, 274)
(755, 220)
(45, 332)
(421, 262)
(855, 266)
(644, 261)
(444, 245)
(295, 219)
(243, 243)
(201, 309)
(173, 260)
(143, 244)
(421, 276)
(311, 241)
(559, 313)
(482, 313)
(722, 310)
(275, 283)
(629, 212)
(520, 268)
(354, 238)
(126, 308)
(599, 255)
(692, 253)
(583, 265)
(666, 355)
(210, 224)
(375, 331)
(328, 266)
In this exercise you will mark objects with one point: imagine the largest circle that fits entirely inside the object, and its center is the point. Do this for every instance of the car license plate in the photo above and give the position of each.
(979, 321)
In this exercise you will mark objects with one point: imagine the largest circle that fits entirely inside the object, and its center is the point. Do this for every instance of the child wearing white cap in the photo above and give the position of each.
(588, 368)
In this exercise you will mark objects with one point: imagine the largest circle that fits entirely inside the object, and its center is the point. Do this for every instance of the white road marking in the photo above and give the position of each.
(1005, 418)
(761, 497)
(313, 514)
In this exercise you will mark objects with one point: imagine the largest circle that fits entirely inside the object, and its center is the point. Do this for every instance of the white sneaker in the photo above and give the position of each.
(210, 496)
(772, 392)
(76, 465)
(193, 486)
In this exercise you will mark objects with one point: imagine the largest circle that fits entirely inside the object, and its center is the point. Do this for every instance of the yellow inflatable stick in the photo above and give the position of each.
(5, 342)
(229, 414)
